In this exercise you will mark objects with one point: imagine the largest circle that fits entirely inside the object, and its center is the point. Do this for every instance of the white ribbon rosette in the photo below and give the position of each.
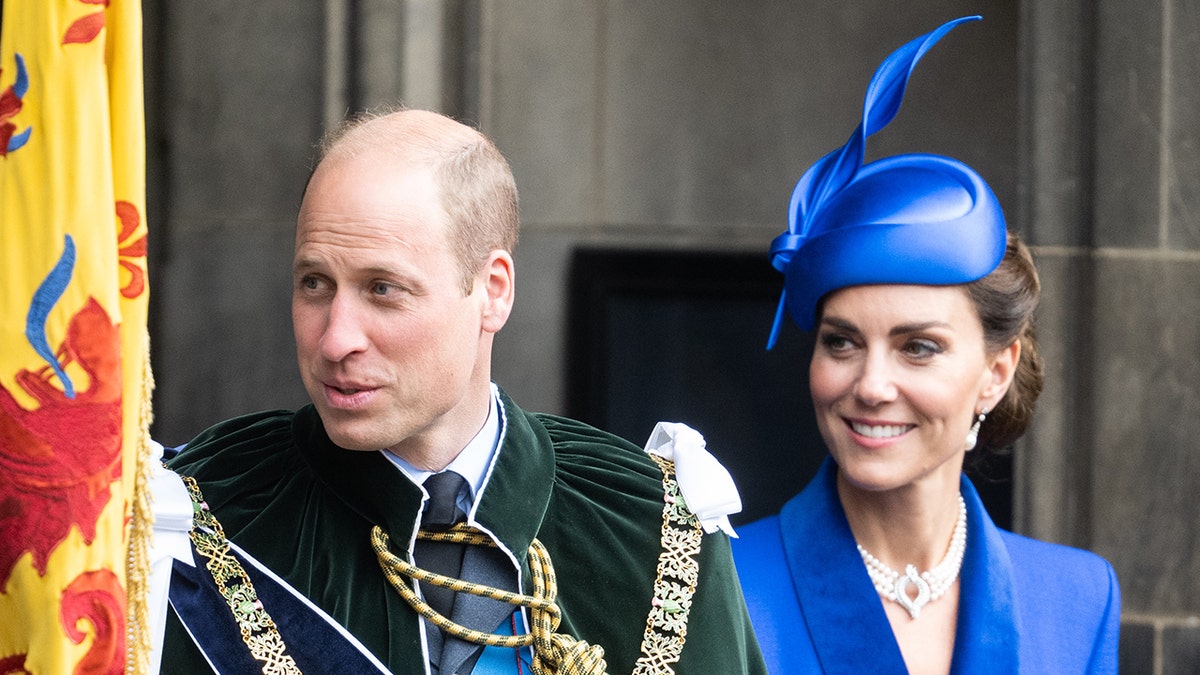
(706, 484)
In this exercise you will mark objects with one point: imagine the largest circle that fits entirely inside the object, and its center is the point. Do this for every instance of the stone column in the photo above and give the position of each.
(1110, 193)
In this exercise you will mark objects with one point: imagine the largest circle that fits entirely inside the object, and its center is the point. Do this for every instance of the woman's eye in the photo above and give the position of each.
(922, 348)
(834, 342)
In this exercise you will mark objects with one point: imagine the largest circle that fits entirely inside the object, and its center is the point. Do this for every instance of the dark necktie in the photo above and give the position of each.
(441, 557)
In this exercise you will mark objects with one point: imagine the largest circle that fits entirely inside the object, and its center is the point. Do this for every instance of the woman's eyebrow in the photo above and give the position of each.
(906, 328)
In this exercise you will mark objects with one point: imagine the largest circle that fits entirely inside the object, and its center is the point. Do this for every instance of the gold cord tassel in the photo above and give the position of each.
(553, 653)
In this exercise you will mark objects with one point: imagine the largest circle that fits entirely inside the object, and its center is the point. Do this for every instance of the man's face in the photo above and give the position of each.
(392, 353)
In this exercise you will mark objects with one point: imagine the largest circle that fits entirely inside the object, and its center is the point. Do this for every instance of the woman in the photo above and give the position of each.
(887, 562)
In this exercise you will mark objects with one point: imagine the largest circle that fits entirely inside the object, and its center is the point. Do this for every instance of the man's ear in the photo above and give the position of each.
(1001, 370)
(499, 283)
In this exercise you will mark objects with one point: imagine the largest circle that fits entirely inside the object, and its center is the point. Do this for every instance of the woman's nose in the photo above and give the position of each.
(876, 383)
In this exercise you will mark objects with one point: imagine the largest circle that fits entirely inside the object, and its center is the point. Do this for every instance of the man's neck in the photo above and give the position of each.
(472, 460)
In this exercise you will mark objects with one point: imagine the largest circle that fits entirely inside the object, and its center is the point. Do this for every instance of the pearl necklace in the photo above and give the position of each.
(930, 585)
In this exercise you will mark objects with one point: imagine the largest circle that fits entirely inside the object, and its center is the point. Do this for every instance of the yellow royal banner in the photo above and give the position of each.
(74, 369)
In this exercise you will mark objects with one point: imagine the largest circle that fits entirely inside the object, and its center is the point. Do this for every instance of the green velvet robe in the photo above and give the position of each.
(305, 507)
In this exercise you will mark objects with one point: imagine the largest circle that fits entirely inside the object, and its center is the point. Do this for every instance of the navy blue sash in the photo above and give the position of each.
(312, 639)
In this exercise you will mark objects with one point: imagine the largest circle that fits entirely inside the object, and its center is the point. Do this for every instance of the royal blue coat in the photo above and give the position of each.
(1025, 606)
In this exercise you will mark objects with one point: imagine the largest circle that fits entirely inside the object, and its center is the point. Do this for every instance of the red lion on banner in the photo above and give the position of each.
(58, 460)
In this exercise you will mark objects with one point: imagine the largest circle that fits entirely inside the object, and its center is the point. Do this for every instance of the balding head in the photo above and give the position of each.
(478, 192)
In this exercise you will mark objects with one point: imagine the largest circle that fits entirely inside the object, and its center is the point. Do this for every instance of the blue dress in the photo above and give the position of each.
(1025, 606)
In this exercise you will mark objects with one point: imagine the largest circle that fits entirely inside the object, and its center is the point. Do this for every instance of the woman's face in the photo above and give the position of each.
(897, 376)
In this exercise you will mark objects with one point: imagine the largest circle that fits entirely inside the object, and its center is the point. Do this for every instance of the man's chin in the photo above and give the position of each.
(348, 429)
(345, 446)
(346, 439)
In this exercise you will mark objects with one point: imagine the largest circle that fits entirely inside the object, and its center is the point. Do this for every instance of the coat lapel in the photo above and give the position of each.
(845, 618)
(988, 624)
(516, 492)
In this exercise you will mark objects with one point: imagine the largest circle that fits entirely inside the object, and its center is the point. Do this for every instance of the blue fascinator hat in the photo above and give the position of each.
(906, 219)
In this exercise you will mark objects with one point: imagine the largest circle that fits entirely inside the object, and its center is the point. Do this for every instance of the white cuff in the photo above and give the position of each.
(706, 485)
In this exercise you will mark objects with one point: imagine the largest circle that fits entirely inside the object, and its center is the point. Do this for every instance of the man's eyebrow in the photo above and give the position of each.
(304, 263)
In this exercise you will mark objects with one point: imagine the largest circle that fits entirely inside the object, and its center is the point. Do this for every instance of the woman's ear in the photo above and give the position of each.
(1001, 370)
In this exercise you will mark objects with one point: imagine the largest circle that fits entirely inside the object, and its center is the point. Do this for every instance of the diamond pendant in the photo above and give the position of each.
(913, 605)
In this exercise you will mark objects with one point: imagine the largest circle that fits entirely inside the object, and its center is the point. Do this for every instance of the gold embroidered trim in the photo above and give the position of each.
(553, 653)
(678, 572)
(257, 628)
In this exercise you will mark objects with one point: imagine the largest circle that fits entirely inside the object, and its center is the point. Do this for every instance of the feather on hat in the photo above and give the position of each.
(906, 219)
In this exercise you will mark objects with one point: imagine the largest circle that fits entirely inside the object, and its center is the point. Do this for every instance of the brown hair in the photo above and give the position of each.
(478, 191)
(1005, 300)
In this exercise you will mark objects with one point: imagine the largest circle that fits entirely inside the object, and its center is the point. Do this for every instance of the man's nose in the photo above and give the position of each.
(344, 334)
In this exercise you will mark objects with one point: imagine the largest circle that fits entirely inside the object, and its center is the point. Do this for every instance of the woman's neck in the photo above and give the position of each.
(907, 526)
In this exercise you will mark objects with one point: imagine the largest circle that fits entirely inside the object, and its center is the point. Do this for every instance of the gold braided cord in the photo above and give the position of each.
(553, 653)
(678, 574)
(141, 523)
(257, 628)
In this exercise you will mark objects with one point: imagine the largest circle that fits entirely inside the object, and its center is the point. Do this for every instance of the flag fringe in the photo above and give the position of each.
(141, 524)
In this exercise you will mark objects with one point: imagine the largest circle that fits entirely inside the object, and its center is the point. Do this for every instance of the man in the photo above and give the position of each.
(403, 274)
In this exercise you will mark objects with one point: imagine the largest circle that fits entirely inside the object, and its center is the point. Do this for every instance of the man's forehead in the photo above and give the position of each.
(328, 234)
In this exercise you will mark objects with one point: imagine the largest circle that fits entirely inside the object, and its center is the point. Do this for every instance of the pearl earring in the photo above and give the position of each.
(973, 434)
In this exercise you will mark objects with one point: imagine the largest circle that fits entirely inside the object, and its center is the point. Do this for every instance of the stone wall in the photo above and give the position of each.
(1109, 193)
